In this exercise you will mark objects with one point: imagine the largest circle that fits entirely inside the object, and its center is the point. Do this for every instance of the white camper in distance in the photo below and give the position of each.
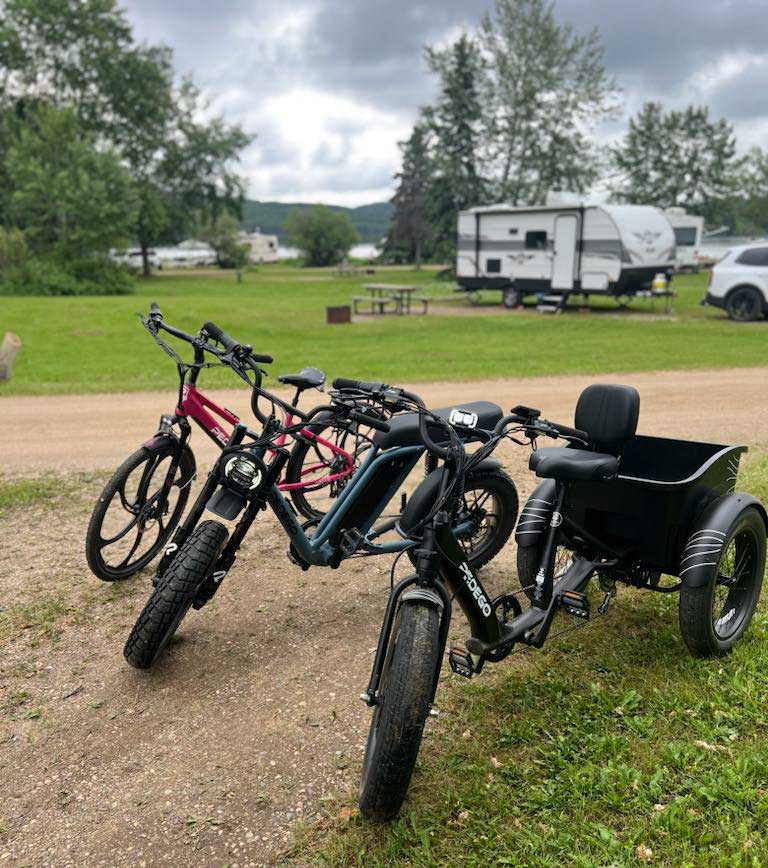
(564, 248)
(688, 229)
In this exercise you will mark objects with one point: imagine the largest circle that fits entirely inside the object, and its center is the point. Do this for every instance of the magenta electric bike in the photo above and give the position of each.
(144, 501)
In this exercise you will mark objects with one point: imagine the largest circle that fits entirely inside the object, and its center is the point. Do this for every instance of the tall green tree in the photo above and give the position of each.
(544, 90)
(69, 196)
(82, 54)
(411, 228)
(455, 123)
(323, 236)
(677, 158)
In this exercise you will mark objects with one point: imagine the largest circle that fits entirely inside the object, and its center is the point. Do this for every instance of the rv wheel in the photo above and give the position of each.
(511, 297)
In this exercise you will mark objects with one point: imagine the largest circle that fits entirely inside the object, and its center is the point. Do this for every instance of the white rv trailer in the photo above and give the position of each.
(688, 229)
(562, 249)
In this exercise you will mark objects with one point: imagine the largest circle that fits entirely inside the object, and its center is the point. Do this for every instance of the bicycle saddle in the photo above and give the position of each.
(307, 378)
(404, 429)
(609, 416)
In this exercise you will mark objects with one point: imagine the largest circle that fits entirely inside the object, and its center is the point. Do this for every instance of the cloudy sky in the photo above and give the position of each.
(331, 86)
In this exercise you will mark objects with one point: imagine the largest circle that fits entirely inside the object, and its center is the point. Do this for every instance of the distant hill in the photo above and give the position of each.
(371, 221)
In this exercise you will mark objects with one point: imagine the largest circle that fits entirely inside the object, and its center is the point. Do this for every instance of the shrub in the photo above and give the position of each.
(104, 276)
(84, 277)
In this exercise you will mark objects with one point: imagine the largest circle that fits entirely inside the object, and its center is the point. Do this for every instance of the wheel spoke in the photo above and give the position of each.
(108, 542)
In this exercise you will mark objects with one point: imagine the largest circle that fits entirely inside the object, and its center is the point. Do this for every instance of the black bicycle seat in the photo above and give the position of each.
(307, 378)
(560, 462)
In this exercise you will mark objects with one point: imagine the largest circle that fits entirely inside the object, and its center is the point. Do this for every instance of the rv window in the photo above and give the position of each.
(754, 256)
(493, 266)
(536, 240)
(685, 236)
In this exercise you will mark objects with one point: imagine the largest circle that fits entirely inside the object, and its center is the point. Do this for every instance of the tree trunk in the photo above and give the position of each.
(145, 266)
(417, 256)
(9, 349)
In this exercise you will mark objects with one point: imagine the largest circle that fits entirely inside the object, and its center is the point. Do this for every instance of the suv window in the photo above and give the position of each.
(536, 240)
(754, 256)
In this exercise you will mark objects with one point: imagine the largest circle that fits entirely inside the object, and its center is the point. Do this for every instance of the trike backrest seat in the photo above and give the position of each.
(608, 415)
(404, 429)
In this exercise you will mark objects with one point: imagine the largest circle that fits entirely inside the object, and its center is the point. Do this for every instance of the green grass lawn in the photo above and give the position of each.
(611, 747)
(74, 345)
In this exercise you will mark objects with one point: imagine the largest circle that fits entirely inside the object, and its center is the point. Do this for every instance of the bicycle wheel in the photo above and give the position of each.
(173, 597)
(490, 507)
(311, 462)
(715, 616)
(127, 530)
(404, 699)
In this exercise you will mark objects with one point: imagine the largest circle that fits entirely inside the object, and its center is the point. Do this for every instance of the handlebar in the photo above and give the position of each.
(370, 421)
(357, 385)
(233, 346)
(535, 425)
(221, 337)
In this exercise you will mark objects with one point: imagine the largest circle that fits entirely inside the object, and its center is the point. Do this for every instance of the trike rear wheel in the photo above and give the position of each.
(715, 616)
(404, 699)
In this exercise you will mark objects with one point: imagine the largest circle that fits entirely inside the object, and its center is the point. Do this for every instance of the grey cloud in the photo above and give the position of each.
(372, 52)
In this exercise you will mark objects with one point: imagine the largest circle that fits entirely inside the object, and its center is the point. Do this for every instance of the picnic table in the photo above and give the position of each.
(384, 298)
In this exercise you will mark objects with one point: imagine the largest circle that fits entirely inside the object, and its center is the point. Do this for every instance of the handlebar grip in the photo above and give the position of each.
(370, 421)
(221, 336)
(267, 360)
(358, 385)
(154, 310)
(565, 431)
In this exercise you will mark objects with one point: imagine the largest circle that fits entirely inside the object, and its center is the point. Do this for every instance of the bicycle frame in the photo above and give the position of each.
(196, 406)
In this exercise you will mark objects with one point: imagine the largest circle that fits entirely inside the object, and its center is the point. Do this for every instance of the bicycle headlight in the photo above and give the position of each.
(244, 472)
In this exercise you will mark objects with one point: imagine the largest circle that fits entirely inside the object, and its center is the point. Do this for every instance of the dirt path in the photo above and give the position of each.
(85, 432)
(251, 723)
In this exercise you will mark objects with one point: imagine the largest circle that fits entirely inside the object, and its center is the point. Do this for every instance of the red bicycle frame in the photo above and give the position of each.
(196, 406)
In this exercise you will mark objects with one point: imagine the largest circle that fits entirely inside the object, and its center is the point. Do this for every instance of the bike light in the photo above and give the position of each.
(244, 472)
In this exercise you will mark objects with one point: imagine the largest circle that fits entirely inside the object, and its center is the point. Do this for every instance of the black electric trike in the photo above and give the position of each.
(613, 506)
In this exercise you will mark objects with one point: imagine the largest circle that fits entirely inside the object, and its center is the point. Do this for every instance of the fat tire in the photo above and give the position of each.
(405, 697)
(505, 489)
(695, 604)
(93, 555)
(172, 598)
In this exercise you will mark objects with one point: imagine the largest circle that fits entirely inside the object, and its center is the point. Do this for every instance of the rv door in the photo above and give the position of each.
(564, 258)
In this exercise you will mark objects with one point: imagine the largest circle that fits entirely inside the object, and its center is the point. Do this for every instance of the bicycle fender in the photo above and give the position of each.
(703, 547)
(417, 594)
(423, 497)
(534, 518)
(172, 438)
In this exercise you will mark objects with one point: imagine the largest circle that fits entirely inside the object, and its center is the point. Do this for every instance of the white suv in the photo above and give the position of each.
(738, 283)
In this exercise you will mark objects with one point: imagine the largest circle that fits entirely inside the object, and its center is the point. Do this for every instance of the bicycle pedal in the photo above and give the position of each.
(461, 662)
(575, 604)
